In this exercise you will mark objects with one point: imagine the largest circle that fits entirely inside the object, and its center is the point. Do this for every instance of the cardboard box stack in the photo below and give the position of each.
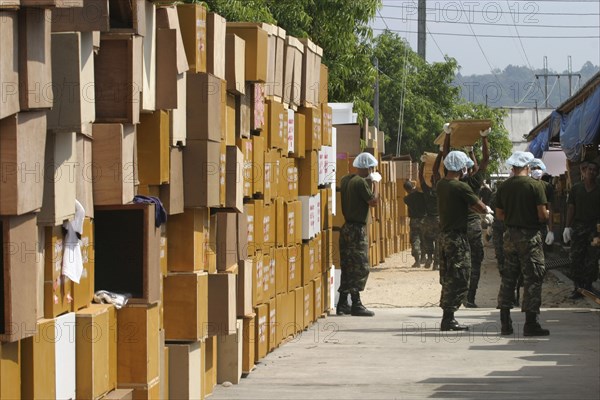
(227, 124)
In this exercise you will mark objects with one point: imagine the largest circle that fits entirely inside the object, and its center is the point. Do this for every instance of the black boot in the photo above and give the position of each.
(576, 294)
(343, 308)
(450, 324)
(470, 302)
(358, 310)
(506, 322)
(532, 326)
(428, 261)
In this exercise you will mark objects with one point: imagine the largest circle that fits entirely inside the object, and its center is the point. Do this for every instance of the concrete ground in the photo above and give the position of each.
(401, 354)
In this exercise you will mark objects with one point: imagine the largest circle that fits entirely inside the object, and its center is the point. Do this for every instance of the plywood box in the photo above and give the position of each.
(324, 85)
(52, 3)
(57, 287)
(38, 355)
(185, 370)
(215, 45)
(244, 287)
(227, 248)
(149, 61)
(249, 342)
(186, 306)
(221, 304)
(149, 391)
(234, 179)
(59, 183)
(187, 238)
(127, 245)
(272, 324)
(229, 356)
(10, 370)
(167, 18)
(119, 394)
(79, 19)
(192, 22)
(308, 170)
(137, 346)
(166, 69)
(313, 131)
(258, 163)
(464, 132)
(35, 66)
(201, 163)
(18, 277)
(84, 174)
(294, 267)
(118, 78)
(235, 62)
(9, 64)
(258, 108)
(256, 40)
(22, 151)
(171, 194)
(348, 139)
(178, 120)
(262, 332)
(74, 83)
(299, 136)
(93, 351)
(204, 120)
(278, 125)
(112, 152)
(83, 292)
(153, 148)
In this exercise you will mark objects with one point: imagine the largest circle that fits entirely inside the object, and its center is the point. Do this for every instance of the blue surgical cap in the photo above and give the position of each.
(364, 161)
(537, 163)
(520, 159)
(457, 160)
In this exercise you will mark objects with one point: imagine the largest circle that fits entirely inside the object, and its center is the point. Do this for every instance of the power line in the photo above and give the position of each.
(493, 36)
(513, 12)
(436, 21)
(520, 41)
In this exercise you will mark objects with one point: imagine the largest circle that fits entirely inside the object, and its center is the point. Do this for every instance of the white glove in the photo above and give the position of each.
(447, 128)
(549, 238)
(485, 132)
(489, 219)
(441, 147)
(469, 149)
(375, 176)
(423, 158)
(567, 234)
(489, 210)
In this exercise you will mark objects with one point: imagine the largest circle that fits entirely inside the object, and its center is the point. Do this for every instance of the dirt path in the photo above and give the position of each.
(396, 284)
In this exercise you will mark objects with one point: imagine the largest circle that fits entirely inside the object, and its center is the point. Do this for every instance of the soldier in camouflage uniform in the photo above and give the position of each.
(359, 192)
(521, 204)
(431, 223)
(415, 201)
(583, 214)
(455, 198)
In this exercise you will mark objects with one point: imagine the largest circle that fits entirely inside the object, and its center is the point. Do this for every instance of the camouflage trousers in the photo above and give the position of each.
(498, 239)
(354, 258)
(431, 231)
(455, 264)
(584, 257)
(523, 254)
(476, 246)
(416, 237)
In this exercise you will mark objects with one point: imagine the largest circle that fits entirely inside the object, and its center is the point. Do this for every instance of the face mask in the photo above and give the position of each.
(537, 174)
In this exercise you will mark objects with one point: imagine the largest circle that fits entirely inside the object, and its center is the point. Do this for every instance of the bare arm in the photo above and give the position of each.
(474, 159)
(436, 166)
(485, 149)
(479, 207)
(424, 184)
(499, 214)
(446, 145)
(375, 200)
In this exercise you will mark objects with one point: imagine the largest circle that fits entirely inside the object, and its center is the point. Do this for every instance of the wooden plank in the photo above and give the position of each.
(464, 132)
(9, 64)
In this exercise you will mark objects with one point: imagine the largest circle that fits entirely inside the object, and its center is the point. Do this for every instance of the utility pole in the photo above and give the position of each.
(422, 29)
(569, 74)
(376, 99)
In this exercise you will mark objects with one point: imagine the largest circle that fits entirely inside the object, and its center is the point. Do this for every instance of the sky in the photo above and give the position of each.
(531, 30)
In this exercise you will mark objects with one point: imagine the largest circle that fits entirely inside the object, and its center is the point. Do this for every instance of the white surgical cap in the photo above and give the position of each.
(364, 161)
(537, 163)
(520, 159)
(457, 160)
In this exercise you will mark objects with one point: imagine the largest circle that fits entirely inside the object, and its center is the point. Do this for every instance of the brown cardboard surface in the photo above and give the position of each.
(309, 267)
(230, 124)
(10, 370)
(243, 114)
(187, 239)
(201, 160)
(348, 139)
(76, 19)
(464, 132)
(244, 287)
(185, 370)
(278, 125)
(222, 173)
(119, 394)
(258, 108)
(249, 342)
(137, 346)
(299, 136)
(221, 304)
(84, 188)
(294, 267)
(192, 21)
(235, 62)
(226, 241)
(118, 78)
(258, 295)
(9, 64)
(38, 362)
(178, 121)
(171, 194)
(299, 309)
(112, 154)
(83, 292)
(204, 93)
(324, 85)
(281, 222)
(229, 356)
(318, 296)
(281, 270)
(313, 129)
(309, 312)
(215, 45)
(308, 171)
(35, 66)
(258, 163)
(166, 69)
(19, 276)
(92, 350)
(153, 148)
(245, 145)
(262, 332)
(256, 49)
(210, 364)
(22, 150)
(167, 18)
(186, 306)
(272, 325)
(327, 125)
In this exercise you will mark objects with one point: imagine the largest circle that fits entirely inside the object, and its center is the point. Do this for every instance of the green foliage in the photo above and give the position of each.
(241, 10)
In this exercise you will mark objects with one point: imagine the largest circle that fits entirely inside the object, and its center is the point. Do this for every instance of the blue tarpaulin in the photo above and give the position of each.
(581, 126)
(540, 143)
